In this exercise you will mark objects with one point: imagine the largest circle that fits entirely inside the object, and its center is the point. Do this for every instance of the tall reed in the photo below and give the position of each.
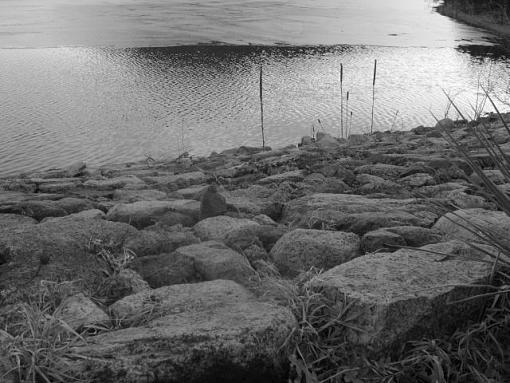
(342, 100)
(346, 114)
(373, 97)
(261, 110)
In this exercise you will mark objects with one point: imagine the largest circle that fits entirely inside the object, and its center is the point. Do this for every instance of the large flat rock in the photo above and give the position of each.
(204, 332)
(145, 213)
(349, 212)
(402, 296)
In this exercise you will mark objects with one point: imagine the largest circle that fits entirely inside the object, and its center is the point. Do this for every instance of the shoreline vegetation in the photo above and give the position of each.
(493, 16)
(378, 258)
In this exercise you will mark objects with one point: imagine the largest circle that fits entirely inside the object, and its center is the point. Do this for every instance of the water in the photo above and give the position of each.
(83, 89)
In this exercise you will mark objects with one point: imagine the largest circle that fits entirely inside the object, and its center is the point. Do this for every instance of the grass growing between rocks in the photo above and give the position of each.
(36, 344)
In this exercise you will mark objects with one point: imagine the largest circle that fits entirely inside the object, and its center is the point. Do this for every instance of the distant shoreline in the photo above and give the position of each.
(502, 31)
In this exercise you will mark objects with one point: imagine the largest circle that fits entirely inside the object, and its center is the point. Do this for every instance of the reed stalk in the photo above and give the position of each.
(350, 126)
(373, 97)
(262, 111)
(346, 113)
(342, 100)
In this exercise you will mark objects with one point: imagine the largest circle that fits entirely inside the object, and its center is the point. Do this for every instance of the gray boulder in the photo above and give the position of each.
(214, 260)
(405, 295)
(145, 213)
(217, 228)
(218, 328)
(301, 249)
(80, 312)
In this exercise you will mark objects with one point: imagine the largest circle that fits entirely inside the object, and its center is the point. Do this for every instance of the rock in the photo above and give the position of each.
(75, 169)
(177, 181)
(7, 220)
(381, 239)
(464, 200)
(57, 250)
(300, 249)
(79, 312)
(134, 195)
(74, 205)
(255, 253)
(115, 183)
(41, 209)
(306, 140)
(463, 224)
(355, 213)
(212, 203)
(166, 269)
(145, 213)
(157, 241)
(385, 171)
(214, 260)
(292, 176)
(85, 214)
(120, 285)
(172, 218)
(418, 179)
(263, 219)
(358, 139)
(269, 235)
(327, 142)
(495, 176)
(193, 192)
(374, 184)
(217, 228)
(57, 187)
(402, 296)
(416, 236)
(217, 327)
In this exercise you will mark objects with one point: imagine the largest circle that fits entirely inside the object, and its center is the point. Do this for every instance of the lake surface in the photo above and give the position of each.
(113, 81)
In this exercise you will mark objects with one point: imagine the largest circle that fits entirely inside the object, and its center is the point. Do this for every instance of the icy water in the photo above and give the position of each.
(113, 81)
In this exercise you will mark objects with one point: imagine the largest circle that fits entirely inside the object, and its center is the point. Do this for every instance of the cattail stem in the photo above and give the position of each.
(342, 100)
(373, 97)
(350, 125)
(346, 113)
(262, 111)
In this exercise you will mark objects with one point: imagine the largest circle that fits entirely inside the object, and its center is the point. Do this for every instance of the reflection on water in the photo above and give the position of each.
(104, 105)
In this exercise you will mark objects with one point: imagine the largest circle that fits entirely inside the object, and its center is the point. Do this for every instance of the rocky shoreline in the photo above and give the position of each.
(170, 260)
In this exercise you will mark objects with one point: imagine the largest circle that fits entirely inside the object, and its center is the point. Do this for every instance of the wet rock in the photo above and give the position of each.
(217, 228)
(301, 249)
(355, 213)
(57, 187)
(214, 260)
(166, 269)
(115, 183)
(145, 213)
(494, 175)
(405, 295)
(172, 218)
(212, 203)
(193, 192)
(217, 327)
(381, 239)
(80, 312)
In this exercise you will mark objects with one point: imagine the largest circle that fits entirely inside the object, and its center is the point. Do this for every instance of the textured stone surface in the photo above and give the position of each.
(144, 213)
(214, 260)
(219, 227)
(404, 295)
(218, 328)
(301, 249)
(356, 213)
(78, 312)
